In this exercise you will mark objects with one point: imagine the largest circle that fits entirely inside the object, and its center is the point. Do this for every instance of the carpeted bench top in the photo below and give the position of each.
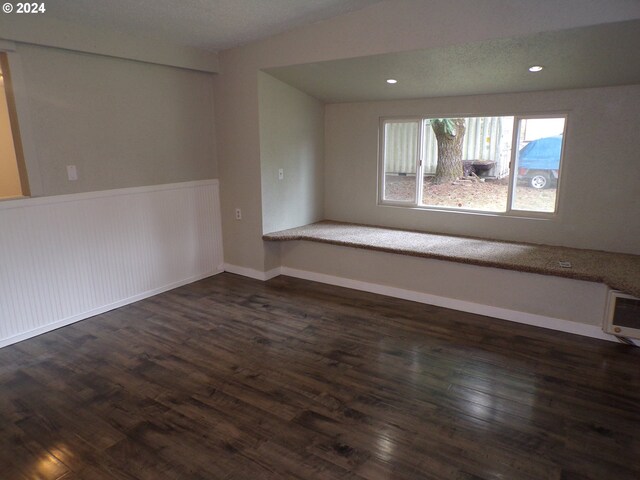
(618, 271)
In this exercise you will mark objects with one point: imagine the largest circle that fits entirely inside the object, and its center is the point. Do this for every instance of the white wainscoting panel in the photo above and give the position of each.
(69, 257)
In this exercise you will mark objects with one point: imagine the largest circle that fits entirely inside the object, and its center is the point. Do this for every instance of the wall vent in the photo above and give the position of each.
(622, 317)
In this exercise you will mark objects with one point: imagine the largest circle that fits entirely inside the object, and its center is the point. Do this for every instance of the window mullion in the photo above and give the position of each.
(512, 162)
(420, 166)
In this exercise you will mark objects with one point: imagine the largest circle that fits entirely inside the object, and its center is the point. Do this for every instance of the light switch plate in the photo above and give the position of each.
(72, 173)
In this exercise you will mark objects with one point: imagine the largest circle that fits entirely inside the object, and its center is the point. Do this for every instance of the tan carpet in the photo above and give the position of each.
(619, 271)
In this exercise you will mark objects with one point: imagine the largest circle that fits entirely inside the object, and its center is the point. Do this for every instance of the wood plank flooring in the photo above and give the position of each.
(231, 378)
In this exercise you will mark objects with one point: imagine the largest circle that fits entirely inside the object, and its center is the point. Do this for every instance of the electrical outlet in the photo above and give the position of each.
(281, 174)
(238, 214)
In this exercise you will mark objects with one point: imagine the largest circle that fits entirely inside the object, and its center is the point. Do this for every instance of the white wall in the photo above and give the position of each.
(68, 257)
(552, 302)
(122, 123)
(599, 201)
(388, 26)
(292, 139)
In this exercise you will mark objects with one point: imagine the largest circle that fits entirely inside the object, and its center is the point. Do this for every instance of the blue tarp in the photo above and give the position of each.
(543, 154)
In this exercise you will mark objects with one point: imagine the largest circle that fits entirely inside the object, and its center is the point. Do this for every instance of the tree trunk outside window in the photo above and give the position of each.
(449, 135)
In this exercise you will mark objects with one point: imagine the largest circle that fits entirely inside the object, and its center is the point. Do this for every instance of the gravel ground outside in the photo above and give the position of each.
(490, 195)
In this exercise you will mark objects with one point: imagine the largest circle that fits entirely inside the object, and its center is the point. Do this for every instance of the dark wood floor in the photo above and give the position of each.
(231, 378)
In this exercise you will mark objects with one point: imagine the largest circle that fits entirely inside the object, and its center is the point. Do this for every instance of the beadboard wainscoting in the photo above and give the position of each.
(69, 257)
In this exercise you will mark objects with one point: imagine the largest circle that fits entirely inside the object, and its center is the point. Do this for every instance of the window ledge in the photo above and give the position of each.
(523, 214)
(617, 270)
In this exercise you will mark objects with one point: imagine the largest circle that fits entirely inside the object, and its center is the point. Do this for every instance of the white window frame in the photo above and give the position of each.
(513, 166)
(381, 162)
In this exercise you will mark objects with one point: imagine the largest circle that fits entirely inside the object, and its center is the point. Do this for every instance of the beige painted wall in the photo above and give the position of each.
(599, 192)
(9, 176)
(122, 123)
(385, 27)
(292, 139)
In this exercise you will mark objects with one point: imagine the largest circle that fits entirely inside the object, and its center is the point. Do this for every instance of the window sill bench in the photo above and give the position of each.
(616, 270)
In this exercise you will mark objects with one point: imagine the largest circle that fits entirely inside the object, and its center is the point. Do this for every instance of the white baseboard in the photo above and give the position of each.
(97, 311)
(551, 323)
(252, 273)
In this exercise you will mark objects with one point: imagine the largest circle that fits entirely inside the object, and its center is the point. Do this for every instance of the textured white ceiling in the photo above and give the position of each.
(596, 56)
(207, 24)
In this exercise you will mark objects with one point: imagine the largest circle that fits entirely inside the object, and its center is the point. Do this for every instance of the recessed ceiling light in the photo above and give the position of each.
(392, 80)
(535, 68)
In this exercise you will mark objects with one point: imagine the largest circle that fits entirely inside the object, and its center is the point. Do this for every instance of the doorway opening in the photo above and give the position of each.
(13, 173)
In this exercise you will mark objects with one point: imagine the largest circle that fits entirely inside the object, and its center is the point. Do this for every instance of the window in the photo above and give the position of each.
(470, 163)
